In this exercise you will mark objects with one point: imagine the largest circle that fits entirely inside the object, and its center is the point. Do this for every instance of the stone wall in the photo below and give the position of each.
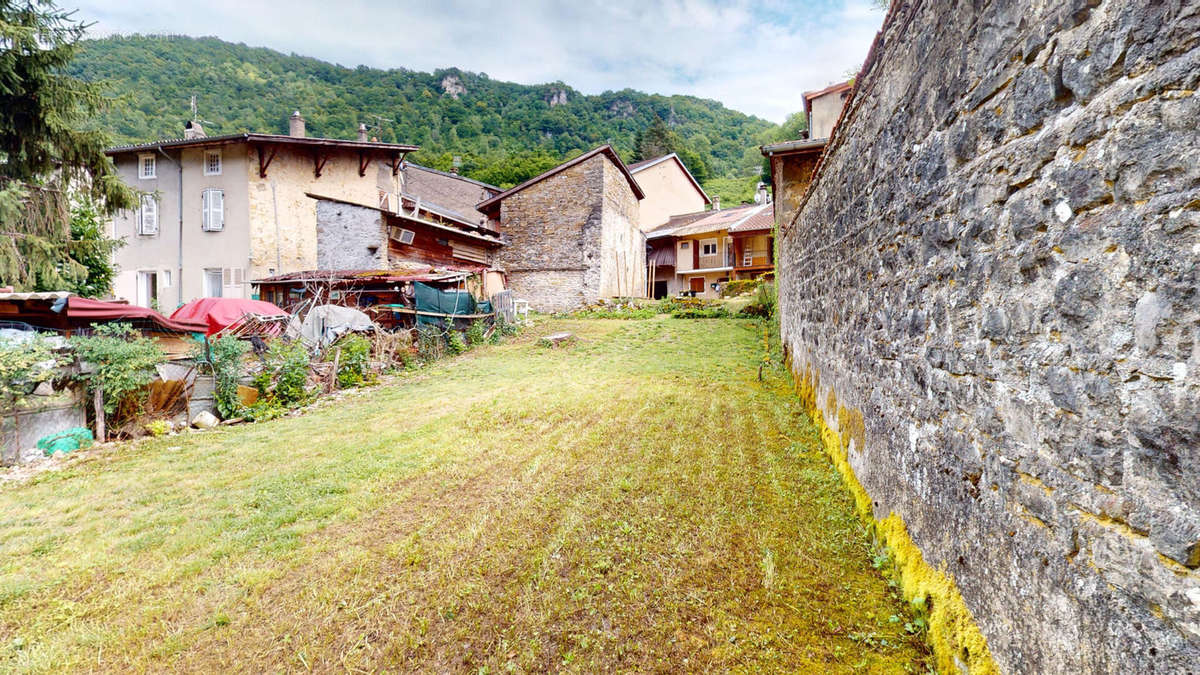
(350, 237)
(573, 238)
(622, 242)
(989, 297)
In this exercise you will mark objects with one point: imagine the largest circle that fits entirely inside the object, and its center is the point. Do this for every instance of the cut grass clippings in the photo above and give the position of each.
(635, 501)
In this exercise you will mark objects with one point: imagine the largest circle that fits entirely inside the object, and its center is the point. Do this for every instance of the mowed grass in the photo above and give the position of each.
(635, 502)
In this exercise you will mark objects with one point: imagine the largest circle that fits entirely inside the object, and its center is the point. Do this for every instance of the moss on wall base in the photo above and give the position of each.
(957, 643)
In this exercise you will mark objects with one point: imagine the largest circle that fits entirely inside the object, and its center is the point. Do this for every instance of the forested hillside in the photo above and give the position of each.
(503, 132)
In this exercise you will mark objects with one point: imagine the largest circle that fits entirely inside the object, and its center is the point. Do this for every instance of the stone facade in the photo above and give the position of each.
(350, 237)
(572, 238)
(990, 296)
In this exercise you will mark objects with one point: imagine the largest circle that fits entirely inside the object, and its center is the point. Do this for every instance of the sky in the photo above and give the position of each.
(755, 56)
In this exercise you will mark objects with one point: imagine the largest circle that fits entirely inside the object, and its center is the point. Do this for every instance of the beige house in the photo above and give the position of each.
(220, 211)
(670, 190)
(823, 108)
(698, 253)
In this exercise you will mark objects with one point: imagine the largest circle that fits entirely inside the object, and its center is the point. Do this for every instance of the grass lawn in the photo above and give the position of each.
(636, 501)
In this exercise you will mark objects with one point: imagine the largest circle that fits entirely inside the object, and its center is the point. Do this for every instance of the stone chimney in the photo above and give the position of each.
(762, 196)
(296, 125)
(716, 203)
(362, 133)
(192, 129)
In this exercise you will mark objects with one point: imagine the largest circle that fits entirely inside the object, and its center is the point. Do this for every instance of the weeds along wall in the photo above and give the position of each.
(989, 297)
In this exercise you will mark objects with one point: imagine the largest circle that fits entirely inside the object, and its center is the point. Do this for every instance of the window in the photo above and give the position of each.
(213, 283)
(147, 216)
(146, 166)
(212, 163)
(212, 210)
(708, 247)
(684, 245)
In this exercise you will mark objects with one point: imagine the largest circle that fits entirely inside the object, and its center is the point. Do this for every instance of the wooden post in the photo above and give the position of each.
(98, 405)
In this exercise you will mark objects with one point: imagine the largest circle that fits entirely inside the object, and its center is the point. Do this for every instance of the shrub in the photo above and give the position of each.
(739, 287)
(225, 354)
(284, 377)
(354, 360)
(23, 365)
(476, 332)
(158, 428)
(430, 345)
(701, 313)
(122, 362)
(456, 343)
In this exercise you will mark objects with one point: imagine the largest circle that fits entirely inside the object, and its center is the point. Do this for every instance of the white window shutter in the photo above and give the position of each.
(148, 216)
(204, 199)
(226, 277)
(218, 209)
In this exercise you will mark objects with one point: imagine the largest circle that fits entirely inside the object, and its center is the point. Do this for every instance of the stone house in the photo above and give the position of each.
(670, 190)
(699, 252)
(793, 162)
(572, 234)
(222, 210)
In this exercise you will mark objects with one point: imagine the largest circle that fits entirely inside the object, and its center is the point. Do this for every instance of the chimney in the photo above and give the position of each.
(716, 203)
(192, 129)
(296, 125)
(362, 133)
(762, 196)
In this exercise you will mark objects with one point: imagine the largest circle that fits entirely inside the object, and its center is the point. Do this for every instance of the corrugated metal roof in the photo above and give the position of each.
(41, 295)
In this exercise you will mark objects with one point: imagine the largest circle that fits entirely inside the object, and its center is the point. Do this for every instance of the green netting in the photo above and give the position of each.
(66, 441)
(430, 299)
(484, 306)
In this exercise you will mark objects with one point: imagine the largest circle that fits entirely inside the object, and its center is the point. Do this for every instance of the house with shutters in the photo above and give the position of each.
(220, 211)
(697, 253)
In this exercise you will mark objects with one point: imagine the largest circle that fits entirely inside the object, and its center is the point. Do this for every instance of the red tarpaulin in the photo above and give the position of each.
(99, 310)
(218, 313)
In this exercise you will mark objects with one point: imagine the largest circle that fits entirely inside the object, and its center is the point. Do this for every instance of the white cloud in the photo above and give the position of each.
(757, 57)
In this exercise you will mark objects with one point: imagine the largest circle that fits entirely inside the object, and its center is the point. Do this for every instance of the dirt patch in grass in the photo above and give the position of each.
(636, 501)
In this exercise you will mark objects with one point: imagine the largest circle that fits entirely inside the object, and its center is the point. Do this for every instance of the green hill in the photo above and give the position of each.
(503, 132)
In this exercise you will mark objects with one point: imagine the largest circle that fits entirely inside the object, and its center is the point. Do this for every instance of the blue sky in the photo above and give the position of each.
(754, 56)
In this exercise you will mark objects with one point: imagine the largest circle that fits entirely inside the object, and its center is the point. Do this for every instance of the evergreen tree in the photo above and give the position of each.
(47, 151)
(657, 140)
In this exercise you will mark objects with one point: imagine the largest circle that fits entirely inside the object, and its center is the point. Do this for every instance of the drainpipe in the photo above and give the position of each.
(179, 260)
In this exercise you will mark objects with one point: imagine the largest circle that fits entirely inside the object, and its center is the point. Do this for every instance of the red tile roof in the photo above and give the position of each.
(763, 220)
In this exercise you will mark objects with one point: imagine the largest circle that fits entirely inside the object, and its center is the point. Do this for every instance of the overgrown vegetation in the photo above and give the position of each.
(226, 353)
(23, 365)
(120, 362)
(283, 380)
(352, 353)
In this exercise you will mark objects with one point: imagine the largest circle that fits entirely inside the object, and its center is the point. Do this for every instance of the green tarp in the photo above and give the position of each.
(430, 299)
